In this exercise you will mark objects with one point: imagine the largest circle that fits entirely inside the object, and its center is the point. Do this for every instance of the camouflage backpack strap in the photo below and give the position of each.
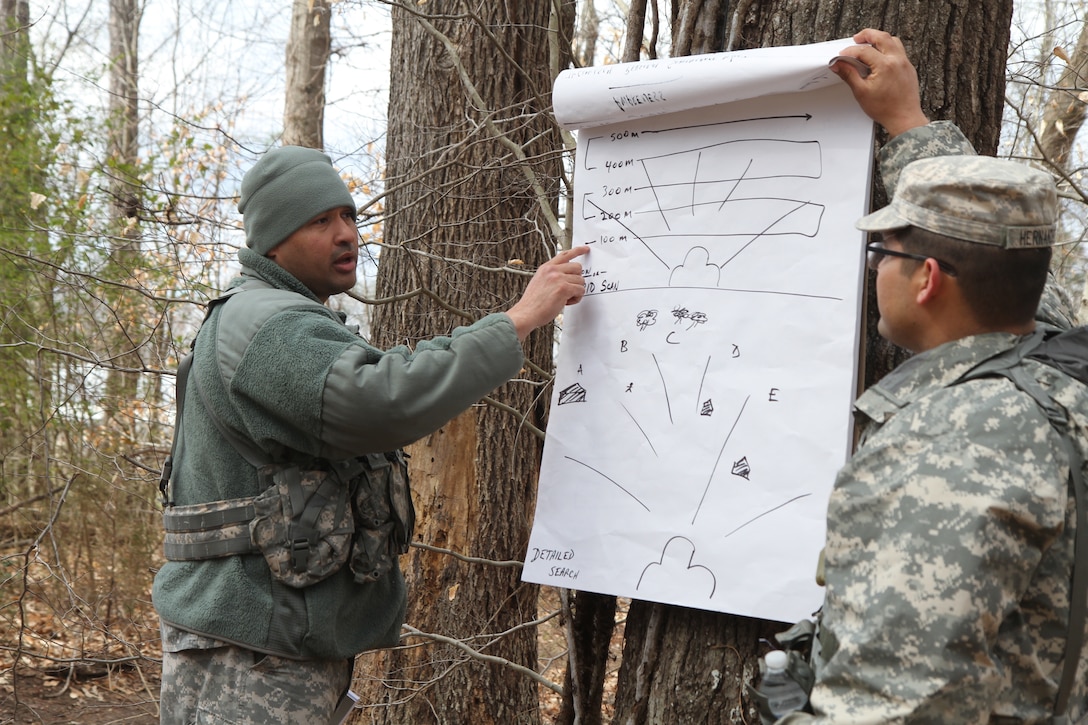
(200, 531)
(1068, 352)
(1078, 594)
(1065, 351)
(168, 465)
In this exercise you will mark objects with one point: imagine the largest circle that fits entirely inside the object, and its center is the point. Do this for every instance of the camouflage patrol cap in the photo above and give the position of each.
(973, 198)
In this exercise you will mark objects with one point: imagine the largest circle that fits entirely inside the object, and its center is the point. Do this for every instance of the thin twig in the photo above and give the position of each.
(467, 559)
(491, 659)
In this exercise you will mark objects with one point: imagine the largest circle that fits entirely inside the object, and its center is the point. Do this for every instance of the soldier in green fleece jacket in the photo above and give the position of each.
(279, 374)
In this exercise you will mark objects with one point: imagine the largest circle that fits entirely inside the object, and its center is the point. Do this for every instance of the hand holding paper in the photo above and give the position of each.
(889, 93)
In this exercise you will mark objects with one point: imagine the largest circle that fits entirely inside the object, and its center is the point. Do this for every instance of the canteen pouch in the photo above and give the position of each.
(384, 515)
(797, 643)
(303, 523)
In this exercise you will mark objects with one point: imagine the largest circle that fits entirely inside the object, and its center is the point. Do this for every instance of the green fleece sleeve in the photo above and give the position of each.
(377, 405)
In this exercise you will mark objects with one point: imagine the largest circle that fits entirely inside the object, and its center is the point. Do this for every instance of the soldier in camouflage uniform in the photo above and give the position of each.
(949, 544)
(282, 391)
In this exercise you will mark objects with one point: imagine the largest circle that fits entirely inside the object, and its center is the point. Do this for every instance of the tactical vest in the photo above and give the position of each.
(311, 517)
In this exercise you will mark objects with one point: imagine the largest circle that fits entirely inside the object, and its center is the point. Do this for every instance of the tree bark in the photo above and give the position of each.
(585, 36)
(1063, 117)
(14, 41)
(633, 38)
(308, 49)
(463, 201)
(123, 150)
(1066, 106)
(593, 620)
(683, 665)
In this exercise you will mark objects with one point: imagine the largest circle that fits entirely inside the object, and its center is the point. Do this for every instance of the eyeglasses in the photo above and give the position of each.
(878, 251)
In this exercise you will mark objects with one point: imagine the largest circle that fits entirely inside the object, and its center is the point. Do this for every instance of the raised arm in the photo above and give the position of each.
(556, 284)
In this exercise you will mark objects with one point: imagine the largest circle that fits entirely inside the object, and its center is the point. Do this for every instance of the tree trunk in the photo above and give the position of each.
(1063, 117)
(21, 466)
(687, 665)
(585, 38)
(682, 665)
(593, 620)
(123, 152)
(124, 110)
(1066, 106)
(462, 204)
(14, 41)
(308, 49)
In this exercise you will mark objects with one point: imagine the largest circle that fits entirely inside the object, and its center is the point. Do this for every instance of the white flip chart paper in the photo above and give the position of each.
(702, 400)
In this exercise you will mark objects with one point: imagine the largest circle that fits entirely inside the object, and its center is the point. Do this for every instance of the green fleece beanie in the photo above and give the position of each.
(288, 187)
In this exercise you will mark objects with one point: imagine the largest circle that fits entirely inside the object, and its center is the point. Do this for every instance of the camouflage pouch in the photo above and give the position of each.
(207, 530)
(303, 522)
(384, 515)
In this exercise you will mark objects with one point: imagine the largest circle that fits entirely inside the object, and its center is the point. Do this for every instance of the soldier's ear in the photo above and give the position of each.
(932, 282)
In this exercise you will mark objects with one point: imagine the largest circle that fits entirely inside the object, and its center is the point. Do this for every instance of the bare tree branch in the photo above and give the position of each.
(491, 659)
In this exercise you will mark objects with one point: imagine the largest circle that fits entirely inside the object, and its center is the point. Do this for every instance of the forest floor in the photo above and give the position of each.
(129, 695)
(70, 674)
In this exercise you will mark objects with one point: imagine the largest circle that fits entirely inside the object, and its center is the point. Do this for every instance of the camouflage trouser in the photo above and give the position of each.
(234, 685)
